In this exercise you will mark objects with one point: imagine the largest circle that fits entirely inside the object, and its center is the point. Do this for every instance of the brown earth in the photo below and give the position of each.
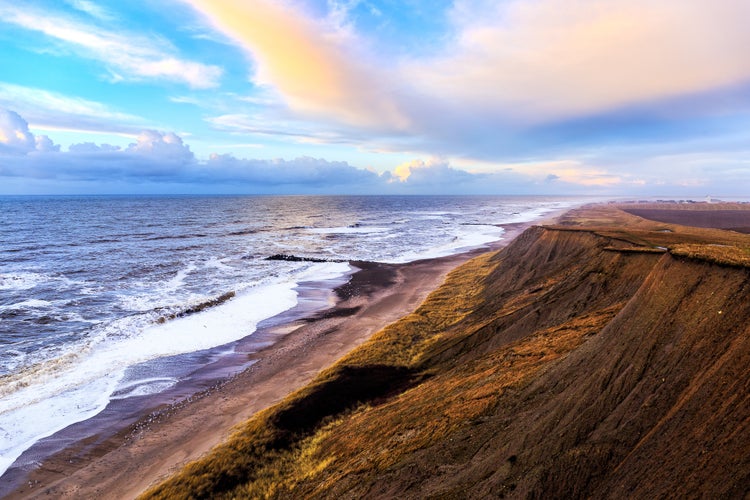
(604, 356)
(732, 216)
(125, 463)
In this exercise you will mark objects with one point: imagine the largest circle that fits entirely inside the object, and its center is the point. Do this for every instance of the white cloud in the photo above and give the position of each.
(92, 148)
(166, 147)
(510, 79)
(90, 8)
(45, 145)
(127, 55)
(44, 108)
(14, 133)
(435, 172)
(93, 9)
(550, 59)
(15, 137)
(322, 70)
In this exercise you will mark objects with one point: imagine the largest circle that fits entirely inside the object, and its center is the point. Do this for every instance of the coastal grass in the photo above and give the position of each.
(342, 426)
(279, 447)
(430, 381)
(634, 233)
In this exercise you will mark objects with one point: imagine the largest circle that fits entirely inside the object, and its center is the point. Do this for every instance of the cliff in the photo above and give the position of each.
(607, 355)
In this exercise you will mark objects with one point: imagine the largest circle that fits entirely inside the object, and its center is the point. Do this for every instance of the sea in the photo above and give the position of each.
(106, 298)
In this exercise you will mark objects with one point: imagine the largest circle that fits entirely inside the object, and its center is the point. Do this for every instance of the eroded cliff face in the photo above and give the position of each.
(641, 388)
(579, 361)
(656, 403)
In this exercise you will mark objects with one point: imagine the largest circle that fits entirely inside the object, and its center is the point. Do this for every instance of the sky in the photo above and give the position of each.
(599, 97)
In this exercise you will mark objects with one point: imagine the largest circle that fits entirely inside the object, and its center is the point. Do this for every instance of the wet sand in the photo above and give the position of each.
(135, 446)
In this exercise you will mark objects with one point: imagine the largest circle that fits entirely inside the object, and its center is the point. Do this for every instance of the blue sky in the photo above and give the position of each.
(602, 97)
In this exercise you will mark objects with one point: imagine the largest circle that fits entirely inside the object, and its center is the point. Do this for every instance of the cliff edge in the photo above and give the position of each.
(604, 356)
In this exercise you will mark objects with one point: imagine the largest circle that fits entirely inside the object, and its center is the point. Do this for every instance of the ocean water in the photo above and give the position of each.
(99, 294)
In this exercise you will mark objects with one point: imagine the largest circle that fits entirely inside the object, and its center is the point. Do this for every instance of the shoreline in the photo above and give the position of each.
(146, 443)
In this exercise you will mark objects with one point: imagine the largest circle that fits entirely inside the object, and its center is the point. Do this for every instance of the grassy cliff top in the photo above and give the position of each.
(620, 223)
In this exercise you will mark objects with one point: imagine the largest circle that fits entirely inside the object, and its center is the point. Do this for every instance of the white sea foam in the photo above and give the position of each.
(28, 304)
(22, 426)
(179, 279)
(467, 238)
(53, 394)
(349, 230)
(22, 280)
(216, 263)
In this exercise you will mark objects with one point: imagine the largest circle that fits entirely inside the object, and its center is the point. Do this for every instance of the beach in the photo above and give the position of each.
(155, 442)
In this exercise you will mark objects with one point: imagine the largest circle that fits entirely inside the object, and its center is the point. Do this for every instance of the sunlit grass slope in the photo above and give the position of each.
(605, 355)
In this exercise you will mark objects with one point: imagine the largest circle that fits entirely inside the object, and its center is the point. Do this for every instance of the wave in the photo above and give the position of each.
(197, 308)
(23, 280)
(245, 232)
(177, 237)
(353, 229)
(297, 258)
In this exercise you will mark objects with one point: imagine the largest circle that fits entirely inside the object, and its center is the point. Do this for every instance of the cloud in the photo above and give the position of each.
(128, 56)
(306, 174)
(716, 168)
(297, 130)
(436, 175)
(513, 80)
(153, 155)
(320, 70)
(14, 133)
(45, 145)
(552, 59)
(162, 162)
(163, 157)
(90, 8)
(91, 148)
(165, 146)
(539, 79)
(433, 172)
(46, 109)
(16, 139)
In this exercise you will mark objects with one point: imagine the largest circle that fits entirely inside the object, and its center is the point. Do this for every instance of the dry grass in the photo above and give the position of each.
(636, 234)
(440, 371)
(275, 449)
(727, 255)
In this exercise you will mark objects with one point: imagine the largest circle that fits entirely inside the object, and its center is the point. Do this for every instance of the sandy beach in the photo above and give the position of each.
(127, 457)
